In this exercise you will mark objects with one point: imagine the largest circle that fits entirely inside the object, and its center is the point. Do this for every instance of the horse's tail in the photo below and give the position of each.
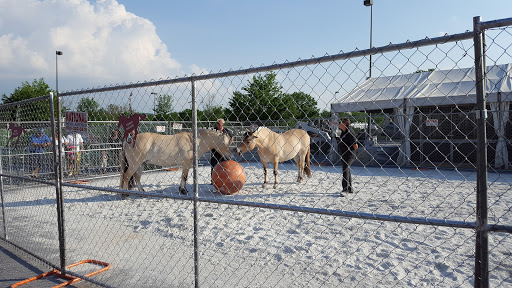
(307, 165)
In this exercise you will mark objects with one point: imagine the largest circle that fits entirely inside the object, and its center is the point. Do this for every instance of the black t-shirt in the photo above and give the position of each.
(225, 131)
(346, 143)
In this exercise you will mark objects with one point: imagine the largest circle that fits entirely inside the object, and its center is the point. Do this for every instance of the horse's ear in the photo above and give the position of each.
(247, 129)
(250, 136)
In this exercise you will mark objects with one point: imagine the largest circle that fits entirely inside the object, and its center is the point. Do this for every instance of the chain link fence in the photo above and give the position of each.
(417, 178)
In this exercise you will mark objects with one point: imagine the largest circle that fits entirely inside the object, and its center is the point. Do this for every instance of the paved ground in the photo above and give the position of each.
(15, 267)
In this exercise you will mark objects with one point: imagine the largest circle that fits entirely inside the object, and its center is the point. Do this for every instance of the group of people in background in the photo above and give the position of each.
(72, 145)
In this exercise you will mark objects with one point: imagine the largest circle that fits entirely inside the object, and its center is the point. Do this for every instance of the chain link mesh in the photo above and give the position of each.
(415, 124)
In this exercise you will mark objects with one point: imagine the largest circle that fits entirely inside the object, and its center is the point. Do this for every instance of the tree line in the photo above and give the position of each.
(261, 100)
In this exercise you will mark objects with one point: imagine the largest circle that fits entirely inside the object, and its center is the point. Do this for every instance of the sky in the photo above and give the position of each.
(108, 42)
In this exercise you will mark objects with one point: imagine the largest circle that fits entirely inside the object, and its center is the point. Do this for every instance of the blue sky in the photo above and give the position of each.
(107, 42)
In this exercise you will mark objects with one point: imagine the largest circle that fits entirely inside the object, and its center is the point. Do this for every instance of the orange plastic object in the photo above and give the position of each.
(228, 177)
(72, 279)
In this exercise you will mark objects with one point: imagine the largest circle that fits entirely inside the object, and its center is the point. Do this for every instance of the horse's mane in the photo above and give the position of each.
(262, 127)
(209, 131)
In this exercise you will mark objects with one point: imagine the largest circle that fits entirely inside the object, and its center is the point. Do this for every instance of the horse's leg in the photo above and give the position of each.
(183, 183)
(300, 165)
(127, 175)
(137, 176)
(276, 182)
(265, 181)
(128, 171)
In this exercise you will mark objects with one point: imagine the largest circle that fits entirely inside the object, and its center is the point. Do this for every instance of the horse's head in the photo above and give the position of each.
(247, 144)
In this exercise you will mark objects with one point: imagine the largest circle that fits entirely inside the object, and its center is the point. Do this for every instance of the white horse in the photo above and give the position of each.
(275, 148)
(168, 150)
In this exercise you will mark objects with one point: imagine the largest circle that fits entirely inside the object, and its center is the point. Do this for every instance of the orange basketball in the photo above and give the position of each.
(228, 177)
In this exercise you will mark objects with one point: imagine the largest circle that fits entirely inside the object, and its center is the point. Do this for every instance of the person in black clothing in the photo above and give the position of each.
(216, 157)
(347, 146)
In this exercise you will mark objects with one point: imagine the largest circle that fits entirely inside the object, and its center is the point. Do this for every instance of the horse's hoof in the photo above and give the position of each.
(275, 186)
(264, 185)
(124, 196)
(183, 191)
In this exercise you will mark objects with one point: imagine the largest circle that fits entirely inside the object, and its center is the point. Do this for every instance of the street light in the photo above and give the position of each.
(60, 203)
(57, 53)
(130, 102)
(154, 101)
(370, 3)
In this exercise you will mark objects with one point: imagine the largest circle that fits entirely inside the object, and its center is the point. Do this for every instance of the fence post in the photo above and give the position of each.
(482, 241)
(196, 194)
(3, 205)
(58, 185)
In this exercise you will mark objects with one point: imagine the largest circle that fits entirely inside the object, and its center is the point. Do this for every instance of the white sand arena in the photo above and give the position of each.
(149, 241)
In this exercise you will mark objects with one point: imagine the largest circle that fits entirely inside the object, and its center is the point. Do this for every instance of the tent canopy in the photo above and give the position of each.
(435, 88)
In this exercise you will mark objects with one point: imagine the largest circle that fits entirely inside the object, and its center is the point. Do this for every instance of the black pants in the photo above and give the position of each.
(346, 161)
(215, 159)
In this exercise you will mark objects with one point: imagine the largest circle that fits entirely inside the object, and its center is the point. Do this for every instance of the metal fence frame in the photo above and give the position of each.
(481, 225)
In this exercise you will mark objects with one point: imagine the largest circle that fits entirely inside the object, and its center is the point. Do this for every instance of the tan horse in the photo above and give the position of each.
(275, 148)
(168, 150)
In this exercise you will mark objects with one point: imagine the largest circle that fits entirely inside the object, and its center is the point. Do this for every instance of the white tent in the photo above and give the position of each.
(403, 93)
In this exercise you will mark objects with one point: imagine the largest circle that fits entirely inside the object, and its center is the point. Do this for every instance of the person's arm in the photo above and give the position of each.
(230, 134)
(81, 143)
(353, 140)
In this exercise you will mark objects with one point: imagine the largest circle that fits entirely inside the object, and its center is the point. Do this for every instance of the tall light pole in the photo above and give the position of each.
(130, 102)
(60, 199)
(57, 53)
(154, 101)
(370, 3)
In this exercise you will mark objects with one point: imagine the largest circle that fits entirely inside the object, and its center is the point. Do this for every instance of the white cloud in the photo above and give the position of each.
(102, 43)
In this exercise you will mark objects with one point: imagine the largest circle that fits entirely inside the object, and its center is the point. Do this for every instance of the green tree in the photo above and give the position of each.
(262, 99)
(185, 115)
(299, 105)
(27, 90)
(422, 71)
(117, 110)
(325, 114)
(211, 113)
(90, 106)
(258, 100)
(34, 111)
(163, 108)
